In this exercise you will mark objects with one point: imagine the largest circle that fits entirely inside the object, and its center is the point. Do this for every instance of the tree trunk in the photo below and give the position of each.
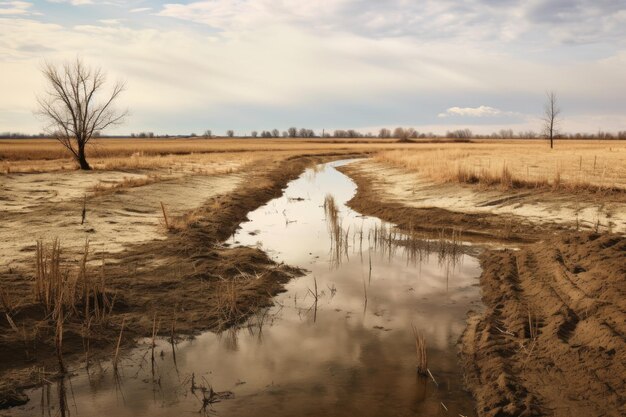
(82, 161)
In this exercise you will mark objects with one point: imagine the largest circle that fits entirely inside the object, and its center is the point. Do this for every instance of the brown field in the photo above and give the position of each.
(507, 163)
(39, 155)
(511, 163)
(157, 214)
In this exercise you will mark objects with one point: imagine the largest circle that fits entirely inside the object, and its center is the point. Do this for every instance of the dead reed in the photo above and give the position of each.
(117, 347)
(420, 351)
(167, 224)
(228, 302)
(416, 246)
(7, 304)
(338, 239)
(69, 293)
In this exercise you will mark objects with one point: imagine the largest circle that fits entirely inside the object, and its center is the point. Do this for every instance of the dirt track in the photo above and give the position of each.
(568, 286)
(553, 338)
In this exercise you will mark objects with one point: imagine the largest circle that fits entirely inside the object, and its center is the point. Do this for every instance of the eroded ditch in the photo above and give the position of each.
(339, 341)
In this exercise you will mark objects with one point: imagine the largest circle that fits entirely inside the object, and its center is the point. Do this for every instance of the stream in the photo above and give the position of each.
(338, 342)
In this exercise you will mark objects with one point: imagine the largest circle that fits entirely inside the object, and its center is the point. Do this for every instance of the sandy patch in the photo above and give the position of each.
(412, 190)
(47, 206)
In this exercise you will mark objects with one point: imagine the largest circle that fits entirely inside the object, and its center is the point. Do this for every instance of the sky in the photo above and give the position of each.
(245, 65)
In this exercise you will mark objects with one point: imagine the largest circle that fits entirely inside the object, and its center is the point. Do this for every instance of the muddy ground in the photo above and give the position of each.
(552, 339)
(185, 280)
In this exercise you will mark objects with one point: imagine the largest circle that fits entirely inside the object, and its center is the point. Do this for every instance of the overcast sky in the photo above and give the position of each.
(249, 65)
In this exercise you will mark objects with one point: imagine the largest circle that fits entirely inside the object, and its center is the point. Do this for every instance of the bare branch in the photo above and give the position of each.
(551, 117)
(76, 107)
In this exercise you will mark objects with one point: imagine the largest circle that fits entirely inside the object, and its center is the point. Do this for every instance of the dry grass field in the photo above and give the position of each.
(507, 163)
(40, 155)
(514, 164)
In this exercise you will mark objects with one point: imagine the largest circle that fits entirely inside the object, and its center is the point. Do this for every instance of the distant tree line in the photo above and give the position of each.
(400, 133)
(142, 135)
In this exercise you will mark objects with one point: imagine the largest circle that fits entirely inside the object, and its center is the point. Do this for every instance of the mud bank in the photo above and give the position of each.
(488, 212)
(188, 282)
(482, 227)
(552, 340)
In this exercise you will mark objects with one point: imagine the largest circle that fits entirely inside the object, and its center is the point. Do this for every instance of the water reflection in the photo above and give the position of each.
(338, 342)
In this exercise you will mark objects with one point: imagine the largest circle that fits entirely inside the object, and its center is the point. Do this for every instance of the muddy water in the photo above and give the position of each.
(350, 353)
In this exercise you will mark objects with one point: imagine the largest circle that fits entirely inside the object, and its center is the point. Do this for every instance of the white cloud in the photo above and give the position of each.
(357, 61)
(480, 111)
(576, 21)
(140, 9)
(110, 21)
(72, 2)
(14, 8)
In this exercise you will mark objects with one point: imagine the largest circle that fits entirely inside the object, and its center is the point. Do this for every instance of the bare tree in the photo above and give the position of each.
(75, 106)
(403, 134)
(551, 113)
(460, 134)
(230, 133)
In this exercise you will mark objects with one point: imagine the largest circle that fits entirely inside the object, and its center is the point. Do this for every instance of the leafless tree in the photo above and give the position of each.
(75, 106)
(403, 134)
(460, 134)
(551, 113)
(384, 133)
(230, 133)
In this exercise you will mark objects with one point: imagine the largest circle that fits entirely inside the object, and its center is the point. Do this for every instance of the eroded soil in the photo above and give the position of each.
(552, 340)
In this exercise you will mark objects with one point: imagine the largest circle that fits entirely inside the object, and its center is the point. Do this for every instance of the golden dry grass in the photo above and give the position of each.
(507, 163)
(572, 165)
(42, 155)
(36, 155)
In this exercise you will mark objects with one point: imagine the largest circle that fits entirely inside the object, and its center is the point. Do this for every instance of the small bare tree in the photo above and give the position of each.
(550, 118)
(75, 106)
(403, 134)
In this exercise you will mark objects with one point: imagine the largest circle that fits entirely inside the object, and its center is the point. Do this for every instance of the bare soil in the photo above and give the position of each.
(187, 281)
(552, 339)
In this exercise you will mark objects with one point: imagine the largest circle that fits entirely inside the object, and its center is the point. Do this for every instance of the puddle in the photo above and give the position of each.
(351, 353)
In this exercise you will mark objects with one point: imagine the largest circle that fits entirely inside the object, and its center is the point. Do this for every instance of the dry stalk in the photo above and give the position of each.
(420, 350)
(167, 225)
(84, 213)
(117, 348)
